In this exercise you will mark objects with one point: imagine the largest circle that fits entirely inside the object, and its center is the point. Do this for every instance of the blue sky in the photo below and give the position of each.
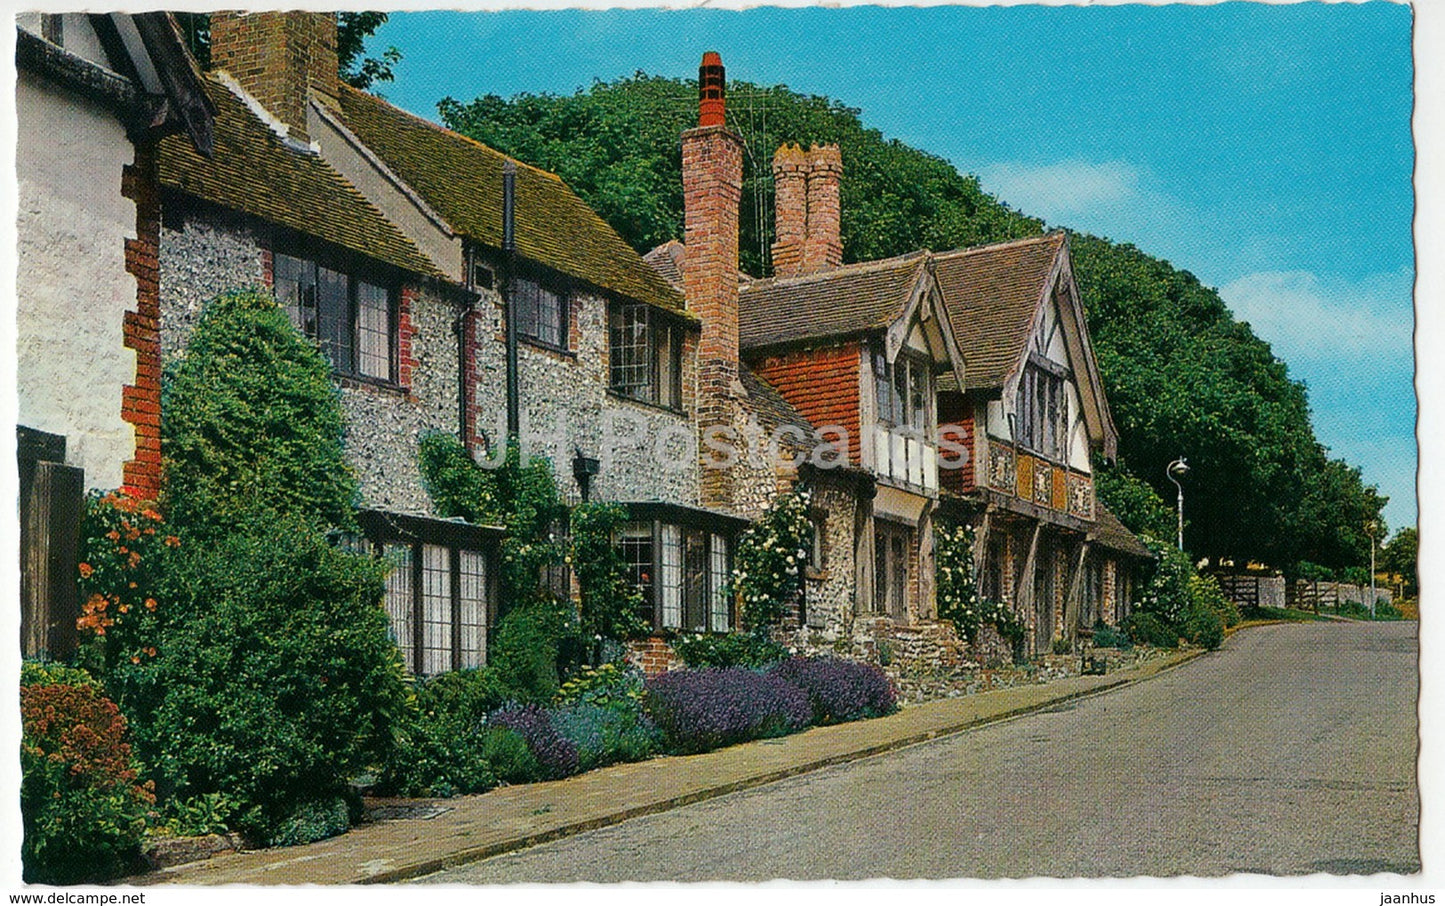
(1266, 149)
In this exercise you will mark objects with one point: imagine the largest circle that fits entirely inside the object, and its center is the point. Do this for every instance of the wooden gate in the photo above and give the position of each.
(52, 502)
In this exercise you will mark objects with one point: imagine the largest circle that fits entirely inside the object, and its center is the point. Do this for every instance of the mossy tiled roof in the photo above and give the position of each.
(844, 301)
(1111, 533)
(254, 171)
(462, 180)
(993, 293)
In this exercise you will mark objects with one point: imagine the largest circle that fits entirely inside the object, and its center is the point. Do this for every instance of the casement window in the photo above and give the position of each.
(352, 318)
(682, 574)
(645, 353)
(438, 589)
(1043, 412)
(892, 548)
(541, 312)
(904, 445)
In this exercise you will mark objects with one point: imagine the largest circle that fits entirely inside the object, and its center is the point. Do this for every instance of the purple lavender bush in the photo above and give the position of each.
(699, 710)
(839, 690)
(556, 755)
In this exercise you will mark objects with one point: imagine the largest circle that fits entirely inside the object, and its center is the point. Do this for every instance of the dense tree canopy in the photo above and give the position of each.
(1183, 377)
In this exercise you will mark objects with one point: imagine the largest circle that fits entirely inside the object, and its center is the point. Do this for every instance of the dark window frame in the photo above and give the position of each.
(524, 296)
(1043, 408)
(700, 581)
(636, 368)
(355, 275)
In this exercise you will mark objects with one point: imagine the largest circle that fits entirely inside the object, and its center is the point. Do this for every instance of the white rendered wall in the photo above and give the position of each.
(72, 287)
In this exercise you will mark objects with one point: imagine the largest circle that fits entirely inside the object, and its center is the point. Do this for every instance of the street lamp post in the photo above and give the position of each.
(1177, 470)
(1371, 528)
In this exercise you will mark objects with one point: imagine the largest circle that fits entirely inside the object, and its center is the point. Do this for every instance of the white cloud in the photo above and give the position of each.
(1062, 190)
(1307, 319)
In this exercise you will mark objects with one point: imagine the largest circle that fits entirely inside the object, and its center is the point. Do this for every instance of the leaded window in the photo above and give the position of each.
(645, 354)
(541, 312)
(1043, 412)
(351, 318)
(682, 574)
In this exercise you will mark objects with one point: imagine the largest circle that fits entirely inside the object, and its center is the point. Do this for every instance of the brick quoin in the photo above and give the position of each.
(472, 440)
(140, 330)
(405, 331)
(822, 384)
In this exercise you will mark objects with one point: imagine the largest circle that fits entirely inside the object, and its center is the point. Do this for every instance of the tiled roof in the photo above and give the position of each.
(1111, 533)
(844, 301)
(462, 180)
(667, 260)
(253, 170)
(768, 405)
(992, 293)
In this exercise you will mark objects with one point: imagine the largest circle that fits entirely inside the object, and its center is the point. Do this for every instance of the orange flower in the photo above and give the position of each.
(172, 541)
(113, 535)
(85, 570)
(134, 559)
(150, 603)
(125, 608)
(132, 585)
(150, 530)
(150, 652)
(135, 659)
(150, 514)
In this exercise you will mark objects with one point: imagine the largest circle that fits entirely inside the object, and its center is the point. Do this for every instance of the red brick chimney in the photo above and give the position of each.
(823, 246)
(806, 186)
(278, 57)
(790, 191)
(712, 184)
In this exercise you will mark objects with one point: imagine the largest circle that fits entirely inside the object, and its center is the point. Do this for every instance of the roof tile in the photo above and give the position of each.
(844, 301)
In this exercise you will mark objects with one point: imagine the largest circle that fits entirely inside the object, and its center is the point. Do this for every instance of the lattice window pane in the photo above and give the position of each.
(695, 581)
(635, 547)
(294, 283)
(436, 601)
(473, 608)
(720, 613)
(333, 303)
(631, 352)
(373, 330)
(400, 601)
(671, 577)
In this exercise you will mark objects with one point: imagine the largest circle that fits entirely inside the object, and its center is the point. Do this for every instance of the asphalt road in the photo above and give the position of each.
(1290, 751)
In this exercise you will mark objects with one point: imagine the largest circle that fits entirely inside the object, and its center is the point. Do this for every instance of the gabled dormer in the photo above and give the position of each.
(859, 348)
(1031, 410)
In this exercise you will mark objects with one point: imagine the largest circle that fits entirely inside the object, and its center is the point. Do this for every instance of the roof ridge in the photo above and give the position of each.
(453, 133)
(856, 267)
(1051, 236)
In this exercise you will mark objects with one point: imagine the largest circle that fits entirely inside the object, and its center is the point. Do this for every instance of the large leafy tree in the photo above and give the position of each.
(1181, 374)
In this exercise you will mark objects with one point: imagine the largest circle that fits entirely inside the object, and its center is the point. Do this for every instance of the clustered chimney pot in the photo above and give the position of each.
(809, 212)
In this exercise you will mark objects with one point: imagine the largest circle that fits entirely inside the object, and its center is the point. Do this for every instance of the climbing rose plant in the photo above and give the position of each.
(957, 587)
(768, 563)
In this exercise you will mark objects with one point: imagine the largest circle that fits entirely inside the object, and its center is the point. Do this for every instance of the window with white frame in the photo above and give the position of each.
(904, 445)
(438, 591)
(350, 317)
(645, 355)
(682, 574)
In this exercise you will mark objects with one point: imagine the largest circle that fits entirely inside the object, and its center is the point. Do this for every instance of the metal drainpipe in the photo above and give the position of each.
(509, 254)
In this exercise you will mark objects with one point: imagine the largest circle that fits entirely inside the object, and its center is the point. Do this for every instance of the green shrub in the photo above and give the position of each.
(208, 813)
(1203, 626)
(611, 605)
(252, 419)
(508, 756)
(605, 735)
(83, 807)
(527, 649)
(54, 673)
(438, 747)
(1167, 594)
(728, 650)
(1106, 636)
(1149, 629)
(311, 820)
(607, 685)
(1204, 590)
(275, 679)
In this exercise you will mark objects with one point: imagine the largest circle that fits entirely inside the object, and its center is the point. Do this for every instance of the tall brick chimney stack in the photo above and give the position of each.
(790, 192)
(279, 57)
(712, 185)
(806, 197)
(823, 247)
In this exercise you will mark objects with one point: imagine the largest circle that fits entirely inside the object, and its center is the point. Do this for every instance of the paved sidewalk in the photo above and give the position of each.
(514, 817)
